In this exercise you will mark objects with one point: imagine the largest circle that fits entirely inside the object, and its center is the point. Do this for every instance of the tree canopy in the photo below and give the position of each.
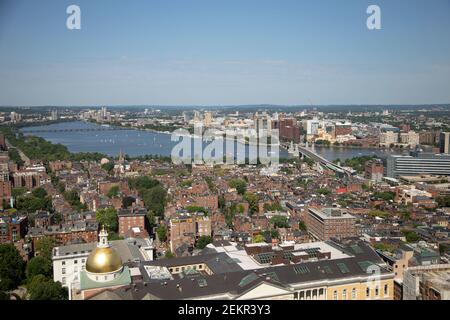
(203, 241)
(239, 184)
(280, 222)
(12, 267)
(108, 218)
(39, 265)
(43, 288)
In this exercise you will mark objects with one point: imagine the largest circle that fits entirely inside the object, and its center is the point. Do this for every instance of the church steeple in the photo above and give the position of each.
(121, 157)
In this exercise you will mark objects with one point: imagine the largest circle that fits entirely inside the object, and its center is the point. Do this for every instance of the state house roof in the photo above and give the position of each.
(230, 284)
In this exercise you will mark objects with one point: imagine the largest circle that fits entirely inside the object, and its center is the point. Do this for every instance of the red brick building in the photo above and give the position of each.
(129, 219)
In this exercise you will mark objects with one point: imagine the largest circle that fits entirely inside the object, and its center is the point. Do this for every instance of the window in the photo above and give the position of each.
(63, 263)
(177, 269)
(75, 261)
(353, 293)
(63, 280)
(386, 290)
(63, 271)
(377, 291)
(367, 293)
(335, 295)
(344, 294)
(83, 260)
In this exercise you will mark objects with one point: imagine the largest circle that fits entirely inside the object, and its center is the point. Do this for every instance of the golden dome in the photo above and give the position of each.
(103, 260)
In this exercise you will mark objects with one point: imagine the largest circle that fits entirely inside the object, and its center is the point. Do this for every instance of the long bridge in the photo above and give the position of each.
(299, 150)
(75, 130)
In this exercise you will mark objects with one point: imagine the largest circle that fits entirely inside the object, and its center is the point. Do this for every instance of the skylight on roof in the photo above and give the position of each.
(327, 269)
(356, 249)
(301, 269)
(343, 268)
(248, 279)
(364, 265)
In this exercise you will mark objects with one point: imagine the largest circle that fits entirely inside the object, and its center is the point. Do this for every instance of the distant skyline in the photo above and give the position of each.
(224, 52)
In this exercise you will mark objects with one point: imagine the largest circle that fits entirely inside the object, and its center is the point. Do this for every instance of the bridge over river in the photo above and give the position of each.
(299, 150)
(75, 130)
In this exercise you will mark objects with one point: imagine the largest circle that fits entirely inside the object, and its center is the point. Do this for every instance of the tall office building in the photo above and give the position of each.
(422, 163)
(208, 119)
(54, 115)
(444, 142)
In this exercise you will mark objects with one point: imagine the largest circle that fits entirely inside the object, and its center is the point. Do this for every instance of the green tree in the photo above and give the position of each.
(386, 196)
(42, 288)
(12, 267)
(169, 254)
(279, 222)
(324, 191)
(39, 265)
(142, 183)
(31, 204)
(410, 236)
(302, 226)
(443, 201)
(161, 231)
(155, 200)
(239, 184)
(259, 238)
(252, 200)
(39, 193)
(73, 199)
(203, 241)
(17, 192)
(45, 247)
(108, 218)
(193, 209)
(113, 192)
(108, 167)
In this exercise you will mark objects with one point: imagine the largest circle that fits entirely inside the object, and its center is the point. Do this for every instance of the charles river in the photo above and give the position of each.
(139, 142)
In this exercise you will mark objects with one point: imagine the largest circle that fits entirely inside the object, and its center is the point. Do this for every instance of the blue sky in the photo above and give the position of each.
(222, 52)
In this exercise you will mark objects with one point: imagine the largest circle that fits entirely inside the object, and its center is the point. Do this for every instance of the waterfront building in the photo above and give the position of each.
(410, 138)
(422, 163)
(388, 138)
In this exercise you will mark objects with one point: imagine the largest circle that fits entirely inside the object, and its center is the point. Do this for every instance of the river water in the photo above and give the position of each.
(138, 142)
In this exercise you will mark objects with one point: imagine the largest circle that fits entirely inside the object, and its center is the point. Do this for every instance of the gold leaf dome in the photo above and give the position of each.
(103, 260)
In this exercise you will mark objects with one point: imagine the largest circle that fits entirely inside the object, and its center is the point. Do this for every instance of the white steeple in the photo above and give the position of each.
(103, 239)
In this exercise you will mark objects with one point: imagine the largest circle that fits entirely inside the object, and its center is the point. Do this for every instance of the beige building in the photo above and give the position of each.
(388, 138)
